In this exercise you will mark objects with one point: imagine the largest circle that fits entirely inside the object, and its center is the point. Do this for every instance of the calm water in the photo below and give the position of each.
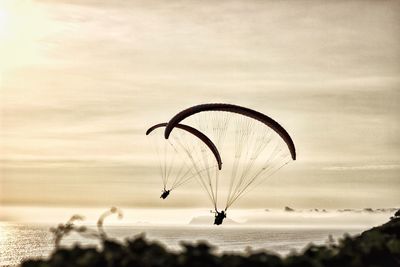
(19, 241)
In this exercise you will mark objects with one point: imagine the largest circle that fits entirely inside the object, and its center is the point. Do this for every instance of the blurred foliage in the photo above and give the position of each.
(379, 246)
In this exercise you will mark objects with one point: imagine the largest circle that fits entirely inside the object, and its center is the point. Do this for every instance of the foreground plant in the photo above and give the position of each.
(63, 230)
(377, 247)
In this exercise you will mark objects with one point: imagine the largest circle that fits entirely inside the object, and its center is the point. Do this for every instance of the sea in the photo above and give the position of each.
(22, 241)
(275, 231)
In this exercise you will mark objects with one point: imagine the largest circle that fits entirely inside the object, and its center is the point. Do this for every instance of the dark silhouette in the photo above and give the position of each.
(397, 214)
(377, 247)
(288, 209)
(234, 109)
(219, 217)
(218, 124)
(196, 133)
(165, 194)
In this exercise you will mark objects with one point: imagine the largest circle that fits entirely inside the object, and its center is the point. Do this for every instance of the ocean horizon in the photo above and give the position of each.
(281, 232)
(23, 241)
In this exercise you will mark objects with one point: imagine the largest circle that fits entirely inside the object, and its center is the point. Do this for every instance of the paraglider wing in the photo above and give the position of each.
(174, 122)
(196, 133)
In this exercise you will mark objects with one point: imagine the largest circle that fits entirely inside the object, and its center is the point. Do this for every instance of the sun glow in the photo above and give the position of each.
(3, 23)
(23, 26)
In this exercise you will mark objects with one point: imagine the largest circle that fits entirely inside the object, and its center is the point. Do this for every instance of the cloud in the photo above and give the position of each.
(364, 167)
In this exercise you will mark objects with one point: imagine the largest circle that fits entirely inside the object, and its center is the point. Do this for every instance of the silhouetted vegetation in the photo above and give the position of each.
(379, 246)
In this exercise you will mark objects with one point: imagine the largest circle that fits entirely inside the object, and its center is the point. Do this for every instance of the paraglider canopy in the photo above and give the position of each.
(196, 133)
(234, 109)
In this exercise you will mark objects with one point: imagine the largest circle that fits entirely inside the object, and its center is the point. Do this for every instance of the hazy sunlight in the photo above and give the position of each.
(22, 29)
(3, 23)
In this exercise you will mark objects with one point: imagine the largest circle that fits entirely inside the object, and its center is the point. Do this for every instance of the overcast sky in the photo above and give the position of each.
(81, 81)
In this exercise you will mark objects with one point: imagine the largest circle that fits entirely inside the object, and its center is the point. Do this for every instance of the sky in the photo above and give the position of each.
(81, 81)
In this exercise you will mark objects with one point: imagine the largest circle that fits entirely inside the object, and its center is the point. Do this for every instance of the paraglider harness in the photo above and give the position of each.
(165, 193)
(219, 217)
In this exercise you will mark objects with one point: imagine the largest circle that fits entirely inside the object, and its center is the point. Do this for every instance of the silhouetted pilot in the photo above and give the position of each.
(219, 217)
(164, 194)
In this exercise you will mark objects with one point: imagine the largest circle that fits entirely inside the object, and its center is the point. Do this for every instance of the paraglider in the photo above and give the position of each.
(219, 217)
(254, 145)
(165, 193)
(185, 145)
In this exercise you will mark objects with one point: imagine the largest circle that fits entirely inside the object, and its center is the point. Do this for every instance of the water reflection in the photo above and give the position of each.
(18, 242)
